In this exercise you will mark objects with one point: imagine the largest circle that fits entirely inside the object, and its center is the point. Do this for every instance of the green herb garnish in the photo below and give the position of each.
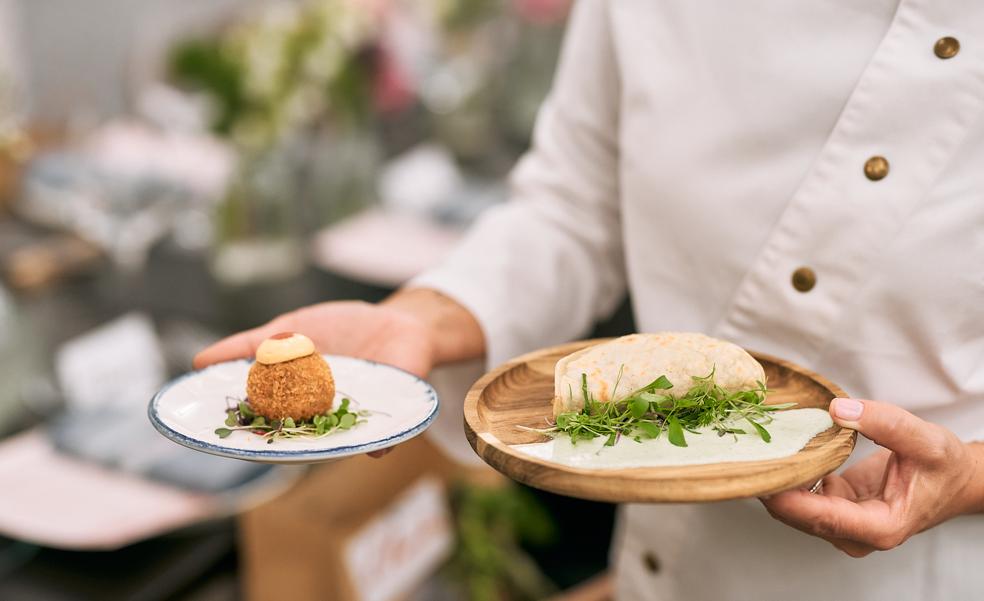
(240, 416)
(649, 411)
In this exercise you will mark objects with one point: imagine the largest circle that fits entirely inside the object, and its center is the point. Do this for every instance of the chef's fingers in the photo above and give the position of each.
(852, 548)
(837, 486)
(833, 518)
(243, 344)
(891, 427)
(860, 476)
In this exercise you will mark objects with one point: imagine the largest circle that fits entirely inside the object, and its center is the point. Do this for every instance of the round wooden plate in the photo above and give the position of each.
(519, 393)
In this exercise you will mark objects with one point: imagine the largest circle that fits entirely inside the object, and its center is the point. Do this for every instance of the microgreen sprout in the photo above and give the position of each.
(240, 416)
(649, 411)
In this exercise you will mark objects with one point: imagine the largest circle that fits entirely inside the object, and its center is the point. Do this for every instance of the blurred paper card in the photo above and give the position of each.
(398, 549)
(117, 364)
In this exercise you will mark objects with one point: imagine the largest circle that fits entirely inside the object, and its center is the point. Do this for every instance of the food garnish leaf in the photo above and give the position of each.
(648, 429)
(675, 432)
(660, 383)
(761, 430)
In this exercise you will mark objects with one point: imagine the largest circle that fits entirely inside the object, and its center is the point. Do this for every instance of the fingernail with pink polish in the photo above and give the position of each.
(848, 409)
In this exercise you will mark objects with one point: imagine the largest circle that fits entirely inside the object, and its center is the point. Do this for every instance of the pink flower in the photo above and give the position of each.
(392, 89)
(542, 12)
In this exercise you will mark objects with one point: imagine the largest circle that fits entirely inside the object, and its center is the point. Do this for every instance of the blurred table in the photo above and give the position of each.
(176, 286)
(163, 568)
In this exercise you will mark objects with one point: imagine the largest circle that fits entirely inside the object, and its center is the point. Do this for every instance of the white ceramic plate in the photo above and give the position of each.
(189, 409)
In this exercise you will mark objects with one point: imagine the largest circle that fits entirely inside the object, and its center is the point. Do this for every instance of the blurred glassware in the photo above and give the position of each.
(12, 94)
(491, 69)
(527, 75)
(339, 167)
(258, 228)
(125, 186)
(21, 361)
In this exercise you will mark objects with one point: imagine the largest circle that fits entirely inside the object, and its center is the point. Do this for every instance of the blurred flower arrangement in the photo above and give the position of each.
(285, 68)
(316, 94)
(294, 65)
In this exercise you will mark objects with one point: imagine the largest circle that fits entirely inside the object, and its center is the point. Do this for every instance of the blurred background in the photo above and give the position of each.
(172, 171)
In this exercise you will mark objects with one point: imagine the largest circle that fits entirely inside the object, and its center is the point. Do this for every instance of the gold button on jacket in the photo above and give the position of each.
(946, 47)
(804, 279)
(876, 168)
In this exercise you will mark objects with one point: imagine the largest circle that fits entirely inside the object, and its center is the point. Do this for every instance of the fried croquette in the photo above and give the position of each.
(299, 388)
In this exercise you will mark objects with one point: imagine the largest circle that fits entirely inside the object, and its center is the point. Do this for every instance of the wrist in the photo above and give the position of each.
(453, 332)
(974, 491)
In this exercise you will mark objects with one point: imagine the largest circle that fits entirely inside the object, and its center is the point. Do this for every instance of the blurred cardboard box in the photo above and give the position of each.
(13, 155)
(8, 182)
(16, 152)
(361, 529)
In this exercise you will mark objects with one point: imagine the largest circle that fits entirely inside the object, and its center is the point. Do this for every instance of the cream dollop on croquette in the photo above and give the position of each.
(284, 347)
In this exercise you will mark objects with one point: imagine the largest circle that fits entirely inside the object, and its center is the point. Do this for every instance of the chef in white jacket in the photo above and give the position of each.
(802, 178)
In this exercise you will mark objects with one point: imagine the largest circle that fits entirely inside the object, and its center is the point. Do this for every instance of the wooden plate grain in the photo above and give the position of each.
(519, 393)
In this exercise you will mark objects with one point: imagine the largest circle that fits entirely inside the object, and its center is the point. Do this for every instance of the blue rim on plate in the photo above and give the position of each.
(290, 456)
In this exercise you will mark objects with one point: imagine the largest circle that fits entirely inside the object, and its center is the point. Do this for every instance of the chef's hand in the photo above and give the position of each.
(924, 476)
(351, 328)
(414, 330)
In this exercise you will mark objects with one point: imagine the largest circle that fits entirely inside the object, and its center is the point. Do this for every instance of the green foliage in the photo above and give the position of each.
(201, 64)
(491, 523)
(466, 14)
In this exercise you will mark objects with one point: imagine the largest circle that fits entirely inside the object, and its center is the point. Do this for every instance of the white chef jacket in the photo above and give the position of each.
(698, 154)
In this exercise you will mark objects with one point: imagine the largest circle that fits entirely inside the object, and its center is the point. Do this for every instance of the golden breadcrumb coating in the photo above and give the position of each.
(300, 388)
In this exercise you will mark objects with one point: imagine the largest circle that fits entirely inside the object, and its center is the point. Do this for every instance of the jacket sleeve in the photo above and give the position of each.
(543, 267)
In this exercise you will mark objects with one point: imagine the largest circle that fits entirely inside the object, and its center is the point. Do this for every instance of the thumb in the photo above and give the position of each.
(887, 425)
(241, 345)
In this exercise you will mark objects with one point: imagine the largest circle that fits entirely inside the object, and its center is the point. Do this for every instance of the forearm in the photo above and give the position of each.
(455, 334)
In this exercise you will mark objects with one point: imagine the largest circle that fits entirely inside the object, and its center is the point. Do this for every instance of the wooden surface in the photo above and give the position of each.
(520, 393)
